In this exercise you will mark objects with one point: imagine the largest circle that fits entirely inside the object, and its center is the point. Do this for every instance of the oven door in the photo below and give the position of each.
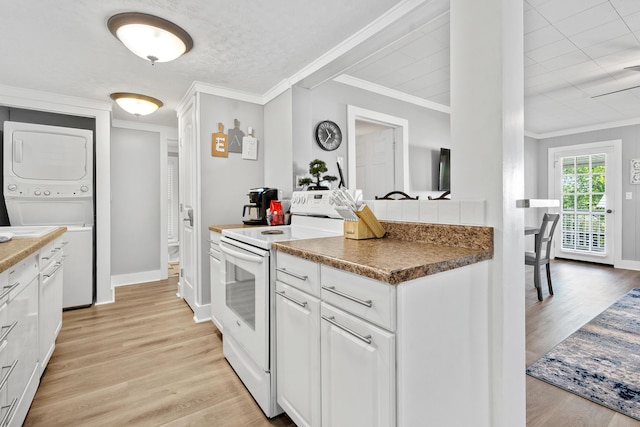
(245, 272)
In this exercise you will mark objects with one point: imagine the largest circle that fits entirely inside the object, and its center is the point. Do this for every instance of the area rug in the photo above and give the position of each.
(601, 361)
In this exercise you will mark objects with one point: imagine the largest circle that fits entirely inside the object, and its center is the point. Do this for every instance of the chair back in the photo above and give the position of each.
(545, 236)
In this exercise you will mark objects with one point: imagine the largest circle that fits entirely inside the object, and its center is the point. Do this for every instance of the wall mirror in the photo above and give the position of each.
(377, 152)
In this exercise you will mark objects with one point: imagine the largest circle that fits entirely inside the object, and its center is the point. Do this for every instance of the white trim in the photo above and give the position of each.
(628, 265)
(276, 91)
(600, 126)
(172, 132)
(136, 278)
(34, 99)
(615, 167)
(391, 93)
(201, 313)
(356, 113)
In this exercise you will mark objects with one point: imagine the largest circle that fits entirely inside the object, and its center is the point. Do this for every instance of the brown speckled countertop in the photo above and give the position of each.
(219, 228)
(409, 250)
(18, 248)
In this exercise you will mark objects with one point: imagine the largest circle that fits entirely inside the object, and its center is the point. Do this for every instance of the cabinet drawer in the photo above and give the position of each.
(50, 250)
(366, 298)
(299, 273)
(21, 274)
(214, 238)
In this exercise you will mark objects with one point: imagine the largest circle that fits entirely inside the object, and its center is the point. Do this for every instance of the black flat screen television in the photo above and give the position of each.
(444, 172)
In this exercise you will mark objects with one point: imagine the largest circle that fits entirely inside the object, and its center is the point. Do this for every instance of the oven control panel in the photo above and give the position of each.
(313, 203)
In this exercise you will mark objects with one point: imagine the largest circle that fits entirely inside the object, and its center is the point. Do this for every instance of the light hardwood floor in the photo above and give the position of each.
(582, 291)
(143, 361)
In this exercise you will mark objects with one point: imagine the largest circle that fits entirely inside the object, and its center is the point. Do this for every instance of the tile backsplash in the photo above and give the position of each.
(463, 212)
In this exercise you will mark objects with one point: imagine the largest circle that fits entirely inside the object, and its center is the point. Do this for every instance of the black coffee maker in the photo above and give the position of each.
(255, 213)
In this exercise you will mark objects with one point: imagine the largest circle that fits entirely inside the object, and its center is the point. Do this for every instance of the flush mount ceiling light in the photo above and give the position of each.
(150, 37)
(137, 104)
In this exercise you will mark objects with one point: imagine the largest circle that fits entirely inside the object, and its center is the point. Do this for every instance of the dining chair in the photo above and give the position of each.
(542, 254)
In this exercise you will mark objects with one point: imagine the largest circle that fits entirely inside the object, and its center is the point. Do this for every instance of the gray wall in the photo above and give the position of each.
(278, 132)
(428, 129)
(630, 136)
(135, 204)
(226, 181)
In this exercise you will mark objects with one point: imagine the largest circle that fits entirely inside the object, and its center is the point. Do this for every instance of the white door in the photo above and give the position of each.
(375, 161)
(583, 182)
(187, 168)
(358, 372)
(298, 362)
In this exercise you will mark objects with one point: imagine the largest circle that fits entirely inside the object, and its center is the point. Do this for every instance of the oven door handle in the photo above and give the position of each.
(251, 258)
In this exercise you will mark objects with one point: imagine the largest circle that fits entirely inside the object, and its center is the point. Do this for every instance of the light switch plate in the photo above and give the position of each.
(629, 195)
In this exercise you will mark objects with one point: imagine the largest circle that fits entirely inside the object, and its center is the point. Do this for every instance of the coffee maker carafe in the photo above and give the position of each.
(255, 213)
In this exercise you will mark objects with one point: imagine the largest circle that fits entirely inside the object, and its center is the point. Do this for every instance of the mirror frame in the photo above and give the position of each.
(402, 134)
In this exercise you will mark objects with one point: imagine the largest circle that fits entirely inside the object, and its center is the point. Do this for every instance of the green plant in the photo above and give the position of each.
(316, 168)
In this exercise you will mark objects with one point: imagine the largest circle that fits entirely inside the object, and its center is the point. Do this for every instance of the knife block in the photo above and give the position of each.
(366, 227)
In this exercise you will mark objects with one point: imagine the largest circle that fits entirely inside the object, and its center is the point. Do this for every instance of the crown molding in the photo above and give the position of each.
(10, 95)
(392, 93)
(591, 128)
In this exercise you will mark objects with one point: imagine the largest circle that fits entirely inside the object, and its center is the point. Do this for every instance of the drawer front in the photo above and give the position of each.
(214, 237)
(21, 274)
(299, 273)
(50, 250)
(366, 298)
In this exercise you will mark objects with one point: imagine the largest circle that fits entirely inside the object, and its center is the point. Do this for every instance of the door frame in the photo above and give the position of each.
(401, 134)
(616, 187)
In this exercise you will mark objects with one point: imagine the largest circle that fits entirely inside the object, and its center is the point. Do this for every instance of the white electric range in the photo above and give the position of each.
(248, 275)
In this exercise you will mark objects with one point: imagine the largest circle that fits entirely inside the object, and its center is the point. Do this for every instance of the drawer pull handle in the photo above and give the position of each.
(7, 332)
(5, 418)
(6, 292)
(4, 380)
(297, 276)
(58, 266)
(333, 290)
(285, 296)
(332, 320)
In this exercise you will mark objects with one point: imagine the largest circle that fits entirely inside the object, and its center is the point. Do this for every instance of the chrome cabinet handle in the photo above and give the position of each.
(4, 380)
(7, 332)
(5, 418)
(332, 320)
(58, 265)
(8, 289)
(283, 295)
(297, 276)
(332, 289)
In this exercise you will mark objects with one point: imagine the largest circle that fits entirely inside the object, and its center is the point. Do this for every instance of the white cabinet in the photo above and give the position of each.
(217, 287)
(20, 346)
(390, 355)
(358, 372)
(298, 354)
(51, 298)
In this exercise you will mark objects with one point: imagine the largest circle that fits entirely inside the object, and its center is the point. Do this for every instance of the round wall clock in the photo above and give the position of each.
(328, 135)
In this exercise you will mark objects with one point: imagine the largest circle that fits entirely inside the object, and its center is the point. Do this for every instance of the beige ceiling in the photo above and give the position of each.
(574, 49)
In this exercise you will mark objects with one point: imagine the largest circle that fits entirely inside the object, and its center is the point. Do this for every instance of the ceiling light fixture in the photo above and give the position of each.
(150, 37)
(137, 104)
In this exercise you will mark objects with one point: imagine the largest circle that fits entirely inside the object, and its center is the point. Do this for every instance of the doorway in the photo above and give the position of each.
(584, 179)
(378, 152)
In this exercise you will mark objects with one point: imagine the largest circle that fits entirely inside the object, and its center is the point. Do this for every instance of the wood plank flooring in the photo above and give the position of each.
(142, 361)
(582, 291)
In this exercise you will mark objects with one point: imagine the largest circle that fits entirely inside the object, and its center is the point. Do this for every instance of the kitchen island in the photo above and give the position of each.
(393, 317)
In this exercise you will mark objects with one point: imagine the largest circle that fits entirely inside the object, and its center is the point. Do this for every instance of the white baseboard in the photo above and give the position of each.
(135, 278)
(201, 313)
(628, 265)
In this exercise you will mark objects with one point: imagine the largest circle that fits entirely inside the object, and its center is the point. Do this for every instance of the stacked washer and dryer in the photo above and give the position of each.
(48, 180)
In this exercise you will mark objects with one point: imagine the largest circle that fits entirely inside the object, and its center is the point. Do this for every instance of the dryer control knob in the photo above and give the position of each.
(12, 187)
(47, 192)
(84, 188)
(36, 193)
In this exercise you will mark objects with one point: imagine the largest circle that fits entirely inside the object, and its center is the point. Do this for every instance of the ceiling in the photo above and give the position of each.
(574, 50)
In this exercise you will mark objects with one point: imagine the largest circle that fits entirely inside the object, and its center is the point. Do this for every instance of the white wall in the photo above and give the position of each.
(135, 206)
(428, 129)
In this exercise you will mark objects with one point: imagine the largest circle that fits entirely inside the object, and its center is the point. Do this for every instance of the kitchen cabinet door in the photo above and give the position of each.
(217, 287)
(358, 371)
(298, 354)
